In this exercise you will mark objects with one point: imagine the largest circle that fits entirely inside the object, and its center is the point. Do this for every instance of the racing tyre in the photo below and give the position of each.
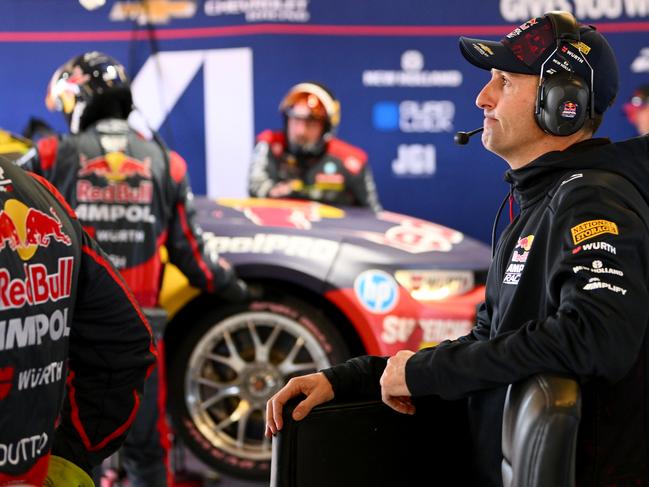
(230, 363)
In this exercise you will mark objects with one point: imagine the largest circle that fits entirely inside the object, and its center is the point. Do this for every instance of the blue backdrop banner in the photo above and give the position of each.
(210, 74)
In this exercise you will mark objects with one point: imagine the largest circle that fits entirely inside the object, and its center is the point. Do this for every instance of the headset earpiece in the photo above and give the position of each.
(564, 100)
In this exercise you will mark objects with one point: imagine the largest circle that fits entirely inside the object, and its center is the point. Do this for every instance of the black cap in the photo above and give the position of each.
(526, 49)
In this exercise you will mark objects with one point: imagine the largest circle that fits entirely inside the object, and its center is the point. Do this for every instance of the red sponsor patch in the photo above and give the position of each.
(6, 381)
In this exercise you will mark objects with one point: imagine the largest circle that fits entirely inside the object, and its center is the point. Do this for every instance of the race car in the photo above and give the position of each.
(326, 283)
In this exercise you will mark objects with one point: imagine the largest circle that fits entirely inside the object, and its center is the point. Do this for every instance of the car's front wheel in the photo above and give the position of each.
(230, 363)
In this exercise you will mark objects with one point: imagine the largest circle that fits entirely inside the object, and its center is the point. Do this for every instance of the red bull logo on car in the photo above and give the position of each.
(414, 236)
(283, 213)
(24, 229)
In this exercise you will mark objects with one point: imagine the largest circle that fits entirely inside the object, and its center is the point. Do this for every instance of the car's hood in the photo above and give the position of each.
(387, 235)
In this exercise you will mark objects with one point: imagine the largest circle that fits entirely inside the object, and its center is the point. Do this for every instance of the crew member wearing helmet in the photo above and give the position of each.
(133, 196)
(637, 109)
(305, 160)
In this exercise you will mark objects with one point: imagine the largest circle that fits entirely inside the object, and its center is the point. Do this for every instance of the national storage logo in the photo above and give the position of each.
(412, 74)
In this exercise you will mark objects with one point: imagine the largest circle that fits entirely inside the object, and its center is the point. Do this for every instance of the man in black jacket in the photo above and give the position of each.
(567, 290)
(74, 345)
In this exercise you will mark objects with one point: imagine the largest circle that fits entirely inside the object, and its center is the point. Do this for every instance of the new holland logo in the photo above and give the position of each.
(153, 11)
(592, 228)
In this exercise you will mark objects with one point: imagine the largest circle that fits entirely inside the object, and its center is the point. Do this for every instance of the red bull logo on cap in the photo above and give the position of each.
(24, 229)
(115, 167)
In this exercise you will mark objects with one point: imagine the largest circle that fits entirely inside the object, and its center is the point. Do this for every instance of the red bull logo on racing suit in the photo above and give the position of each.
(24, 229)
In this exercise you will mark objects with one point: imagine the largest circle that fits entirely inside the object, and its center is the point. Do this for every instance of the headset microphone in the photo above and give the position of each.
(462, 138)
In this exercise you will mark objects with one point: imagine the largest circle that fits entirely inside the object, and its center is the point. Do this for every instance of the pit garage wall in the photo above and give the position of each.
(209, 74)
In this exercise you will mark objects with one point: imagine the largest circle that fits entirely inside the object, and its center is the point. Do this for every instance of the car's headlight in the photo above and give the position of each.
(435, 285)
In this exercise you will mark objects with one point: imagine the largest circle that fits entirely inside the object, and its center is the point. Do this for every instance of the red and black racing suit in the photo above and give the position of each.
(67, 319)
(133, 196)
(339, 176)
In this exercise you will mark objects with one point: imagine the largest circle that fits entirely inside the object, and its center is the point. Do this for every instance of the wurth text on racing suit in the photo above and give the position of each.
(567, 292)
(74, 345)
(339, 176)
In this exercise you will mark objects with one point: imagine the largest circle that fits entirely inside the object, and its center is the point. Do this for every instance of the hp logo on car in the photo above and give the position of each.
(377, 291)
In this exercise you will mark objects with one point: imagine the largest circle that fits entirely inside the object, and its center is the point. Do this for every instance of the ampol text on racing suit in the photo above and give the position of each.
(133, 196)
(67, 318)
(567, 292)
(339, 176)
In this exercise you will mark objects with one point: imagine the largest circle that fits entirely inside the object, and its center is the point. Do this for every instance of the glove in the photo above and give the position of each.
(235, 292)
(63, 473)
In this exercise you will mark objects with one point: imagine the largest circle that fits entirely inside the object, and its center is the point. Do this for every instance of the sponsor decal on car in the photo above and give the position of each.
(413, 235)
(282, 213)
(377, 291)
(434, 330)
(269, 243)
(592, 228)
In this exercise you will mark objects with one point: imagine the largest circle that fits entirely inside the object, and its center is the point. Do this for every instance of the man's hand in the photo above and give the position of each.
(394, 390)
(315, 387)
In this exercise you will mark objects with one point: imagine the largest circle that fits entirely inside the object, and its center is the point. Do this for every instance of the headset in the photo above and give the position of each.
(564, 100)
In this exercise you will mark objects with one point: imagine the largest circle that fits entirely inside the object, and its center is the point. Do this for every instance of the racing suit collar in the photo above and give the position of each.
(532, 181)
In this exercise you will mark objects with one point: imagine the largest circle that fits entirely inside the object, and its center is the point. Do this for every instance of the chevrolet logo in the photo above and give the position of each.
(153, 11)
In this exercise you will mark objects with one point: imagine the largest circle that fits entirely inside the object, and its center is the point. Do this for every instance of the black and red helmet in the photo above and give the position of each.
(89, 87)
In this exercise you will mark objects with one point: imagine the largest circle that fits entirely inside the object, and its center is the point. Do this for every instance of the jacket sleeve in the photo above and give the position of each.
(357, 378)
(364, 189)
(205, 270)
(597, 300)
(263, 171)
(111, 350)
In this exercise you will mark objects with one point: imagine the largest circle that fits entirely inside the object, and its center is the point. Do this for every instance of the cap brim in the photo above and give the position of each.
(491, 55)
